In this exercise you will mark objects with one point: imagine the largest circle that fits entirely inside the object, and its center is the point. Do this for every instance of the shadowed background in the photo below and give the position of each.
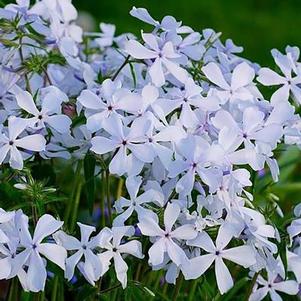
(256, 25)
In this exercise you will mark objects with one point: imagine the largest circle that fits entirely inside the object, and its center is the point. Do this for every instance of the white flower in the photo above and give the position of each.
(91, 266)
(186, 98)
(7, 81)
(4, 218)
(35, 247)
(10, 143)
(253, 126)
(193, 150)
(240, 84)
(289, 82)
(106, 37)
(111, 100)
(190, 46)
(61, 13)
(162, 56)
(123, 139)
(242, 255)
(114, 249)
(135, 202)
(271, 286)
(294, 228)
(168, 23)
(49, 114)
(165, 240)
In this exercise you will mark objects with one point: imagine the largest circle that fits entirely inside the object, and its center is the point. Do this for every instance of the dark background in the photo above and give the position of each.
(257, 25)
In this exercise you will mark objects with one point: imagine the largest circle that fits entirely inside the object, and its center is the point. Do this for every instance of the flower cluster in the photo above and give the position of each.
(176, 113)
(24, 255)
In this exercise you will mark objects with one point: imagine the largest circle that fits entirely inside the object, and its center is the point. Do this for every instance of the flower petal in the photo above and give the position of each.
(54, 253)
(215, 75)
(223, 276)
(34, 142)
(243, 255)
(138, 51)
(197, 266)
(242, 75)
(46, 226)
(102, 145)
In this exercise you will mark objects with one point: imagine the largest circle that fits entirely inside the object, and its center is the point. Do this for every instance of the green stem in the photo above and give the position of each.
(70, 201)
(121, 67)
(108, 193)
(102, 201)
(13, 290)
(164, 290)
(177, 288)
(22, 61)
(110, 289)
(137, 275)
(119, 188)
(192, 290)
(75, 206)
(253, 281)
(55, 288)
(38, 297)
(34, 213)
(157, 282)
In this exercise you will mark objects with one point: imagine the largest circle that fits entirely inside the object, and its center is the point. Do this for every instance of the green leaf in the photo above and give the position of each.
(85, 292)
(142, 287)
(234, 290)
(9, 43)
(89, 170)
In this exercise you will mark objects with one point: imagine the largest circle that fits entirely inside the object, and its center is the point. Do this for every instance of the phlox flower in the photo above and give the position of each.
(34, 247)
(240, 86)
(50, 113)
(123, 139)
(135, 203)
(289, 82)
(161, 56)
(193, 150)
(111, 99)
(272, 286)
(113, 248)
(91, 267)
(168, 23)
(11, 145)
(165, 240)
(242, 255)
